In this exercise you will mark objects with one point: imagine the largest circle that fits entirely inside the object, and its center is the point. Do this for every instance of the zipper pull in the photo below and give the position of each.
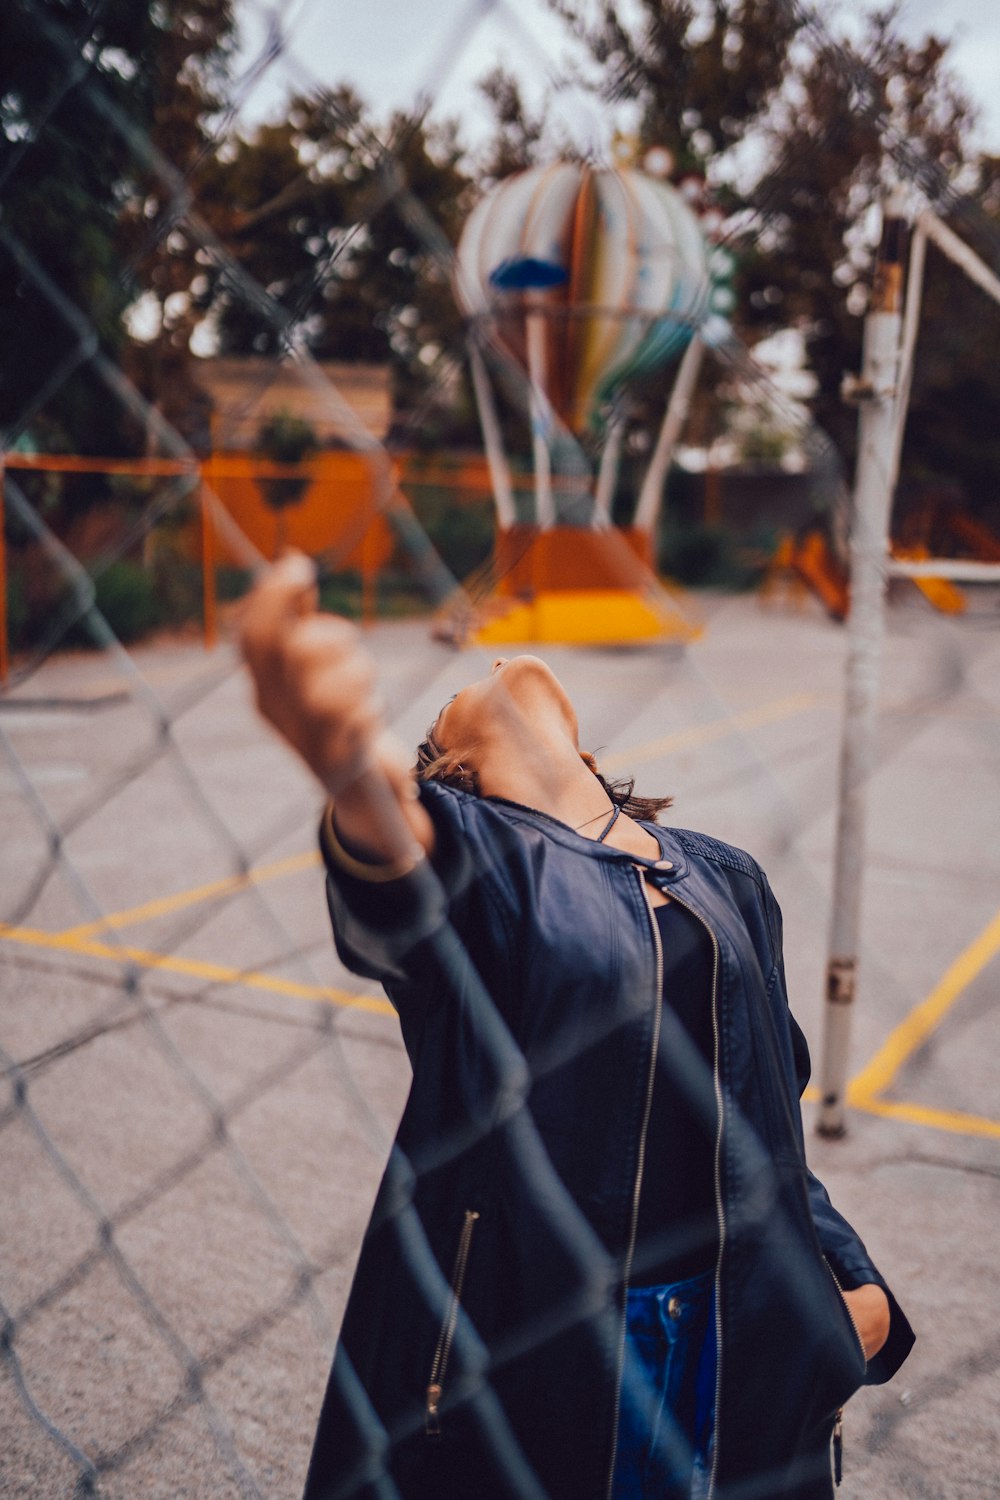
(432, 1420)
(838, 1447)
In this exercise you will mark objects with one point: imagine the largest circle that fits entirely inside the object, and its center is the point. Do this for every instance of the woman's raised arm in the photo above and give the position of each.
(316, 684)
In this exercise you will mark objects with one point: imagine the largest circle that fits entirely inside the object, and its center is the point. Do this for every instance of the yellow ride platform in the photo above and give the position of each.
(585, 617)
(572, 586)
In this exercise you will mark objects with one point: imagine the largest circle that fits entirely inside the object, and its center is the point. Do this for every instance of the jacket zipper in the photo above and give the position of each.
(435, 1386)
(837, 1436)
(637, 1189)
(720, 1210)
(847, 1308)
(838, 1446)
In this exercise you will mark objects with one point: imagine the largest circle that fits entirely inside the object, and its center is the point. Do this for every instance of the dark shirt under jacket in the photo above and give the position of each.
(678, 1234)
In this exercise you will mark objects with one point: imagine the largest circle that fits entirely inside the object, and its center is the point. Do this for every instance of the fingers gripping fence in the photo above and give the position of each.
(165, 1259)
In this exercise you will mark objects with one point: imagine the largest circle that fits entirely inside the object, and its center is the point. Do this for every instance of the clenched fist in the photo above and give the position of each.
(316, 684)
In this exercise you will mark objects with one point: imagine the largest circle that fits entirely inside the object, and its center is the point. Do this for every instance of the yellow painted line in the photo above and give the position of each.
(216, 973)
(701, 734)
(937, 1119)
(180, 899)
(683, 739)
(916, 1114)
(717, 729)
(879, 1073)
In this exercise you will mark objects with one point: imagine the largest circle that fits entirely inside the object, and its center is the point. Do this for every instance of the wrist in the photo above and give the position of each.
(362, 861)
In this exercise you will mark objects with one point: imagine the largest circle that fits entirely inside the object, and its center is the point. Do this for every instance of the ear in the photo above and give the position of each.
(453, 773)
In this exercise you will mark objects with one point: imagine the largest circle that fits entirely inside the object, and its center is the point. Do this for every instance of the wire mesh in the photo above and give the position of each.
(194, 1122)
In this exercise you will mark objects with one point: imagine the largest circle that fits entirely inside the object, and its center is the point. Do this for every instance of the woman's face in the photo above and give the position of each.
(521, 693)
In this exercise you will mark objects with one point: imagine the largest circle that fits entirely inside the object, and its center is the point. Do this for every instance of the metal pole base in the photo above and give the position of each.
(834, 1129)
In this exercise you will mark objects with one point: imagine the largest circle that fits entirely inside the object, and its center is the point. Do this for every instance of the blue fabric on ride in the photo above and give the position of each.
(481, 1350)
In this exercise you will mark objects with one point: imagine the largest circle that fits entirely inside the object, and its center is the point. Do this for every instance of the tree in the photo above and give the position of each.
(349, 230)
(830, 119)
(699, 79)
(187, 90)
(702, 76)
(82, 94)
(812, 264)
(519, 135)
(952, 441)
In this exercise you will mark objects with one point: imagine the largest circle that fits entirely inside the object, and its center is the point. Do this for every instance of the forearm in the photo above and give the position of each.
(316, 684)
(378, 817)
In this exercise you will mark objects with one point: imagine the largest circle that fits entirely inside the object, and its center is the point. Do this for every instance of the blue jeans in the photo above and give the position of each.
(667, 1417)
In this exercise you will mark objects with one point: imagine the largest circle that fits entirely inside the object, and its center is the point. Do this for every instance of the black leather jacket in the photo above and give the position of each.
(481, 1352)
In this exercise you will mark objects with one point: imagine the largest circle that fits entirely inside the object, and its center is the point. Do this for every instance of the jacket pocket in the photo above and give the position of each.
(439, 1367)
(850, 1316)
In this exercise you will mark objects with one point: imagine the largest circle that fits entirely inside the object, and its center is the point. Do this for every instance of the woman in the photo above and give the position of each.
(598, 1265)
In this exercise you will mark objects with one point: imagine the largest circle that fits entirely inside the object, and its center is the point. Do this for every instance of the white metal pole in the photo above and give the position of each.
(607, 474)
(958, 251)
(541, 418)
(873, 488)
(496, 458)
(648, 505)
(908, 342)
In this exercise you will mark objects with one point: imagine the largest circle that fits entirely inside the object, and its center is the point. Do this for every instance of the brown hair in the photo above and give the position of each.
(435, 764)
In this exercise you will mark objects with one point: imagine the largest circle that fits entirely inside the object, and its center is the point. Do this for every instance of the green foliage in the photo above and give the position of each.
(286, 438)
(82, 92)
(703, 556)
(701, 78)
(829, 166)
(829, 112)
(396, 595)
(953, 434)
(124, 593)
(462, 533)
(345, 222)
(519, 136)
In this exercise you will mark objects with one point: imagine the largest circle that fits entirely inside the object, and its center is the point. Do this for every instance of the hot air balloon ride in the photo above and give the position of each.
(579, 281)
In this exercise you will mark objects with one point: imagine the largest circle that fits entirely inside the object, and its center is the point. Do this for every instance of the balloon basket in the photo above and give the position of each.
(572, 586)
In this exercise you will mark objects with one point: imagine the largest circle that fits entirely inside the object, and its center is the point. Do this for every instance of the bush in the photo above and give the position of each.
(706, 557)
(396, 595)
(125, 595)
(460, 532)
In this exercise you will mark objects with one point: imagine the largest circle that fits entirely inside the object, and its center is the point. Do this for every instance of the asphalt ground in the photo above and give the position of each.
(203, 1098)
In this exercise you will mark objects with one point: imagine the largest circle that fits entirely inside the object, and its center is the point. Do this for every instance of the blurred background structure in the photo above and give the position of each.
(232, 317)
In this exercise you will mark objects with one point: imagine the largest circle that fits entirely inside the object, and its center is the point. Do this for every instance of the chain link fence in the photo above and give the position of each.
(197, 1100)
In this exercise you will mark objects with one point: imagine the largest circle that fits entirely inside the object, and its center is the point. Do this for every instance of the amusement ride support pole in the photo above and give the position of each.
(496, 458)
(541, 418)
(876, 394)
(647, 508)
(607, 474)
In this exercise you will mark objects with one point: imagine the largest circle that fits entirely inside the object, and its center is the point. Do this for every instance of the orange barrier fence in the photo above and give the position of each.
(336, 513)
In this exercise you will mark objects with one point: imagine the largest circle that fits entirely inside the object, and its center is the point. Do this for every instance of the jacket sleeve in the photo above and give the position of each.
(841, 1244)
(381, 929)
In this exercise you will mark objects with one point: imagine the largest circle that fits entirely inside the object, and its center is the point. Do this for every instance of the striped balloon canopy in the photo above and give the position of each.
(588, 278)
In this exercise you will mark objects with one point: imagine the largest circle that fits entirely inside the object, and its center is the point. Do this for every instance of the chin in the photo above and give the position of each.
(528, 663)
(537, 677)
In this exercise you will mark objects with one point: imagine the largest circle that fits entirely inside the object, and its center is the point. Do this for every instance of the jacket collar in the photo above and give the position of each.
(671, 863)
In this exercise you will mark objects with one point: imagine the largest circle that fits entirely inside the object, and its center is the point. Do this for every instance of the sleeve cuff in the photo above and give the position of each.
(340, 858)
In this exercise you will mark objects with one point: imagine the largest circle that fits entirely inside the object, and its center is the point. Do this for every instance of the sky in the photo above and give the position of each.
(393, 51)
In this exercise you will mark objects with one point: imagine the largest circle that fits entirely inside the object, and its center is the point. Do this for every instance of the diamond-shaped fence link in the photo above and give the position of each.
(197, 1101)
